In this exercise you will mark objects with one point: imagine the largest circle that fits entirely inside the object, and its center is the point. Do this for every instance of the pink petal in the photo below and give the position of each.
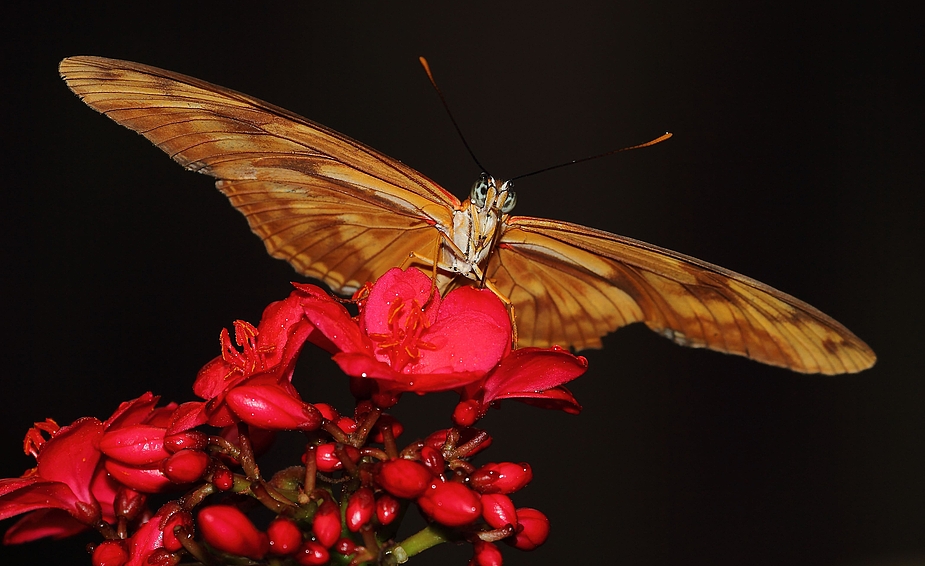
(405, 286)
(471, 334)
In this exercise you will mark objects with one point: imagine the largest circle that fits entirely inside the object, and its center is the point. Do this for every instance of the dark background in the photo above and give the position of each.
(796, 160)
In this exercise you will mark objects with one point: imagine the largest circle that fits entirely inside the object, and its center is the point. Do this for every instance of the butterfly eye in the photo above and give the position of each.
(511, 198)
(479, 193)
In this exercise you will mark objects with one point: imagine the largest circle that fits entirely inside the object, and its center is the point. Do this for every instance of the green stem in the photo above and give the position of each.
(428, 537)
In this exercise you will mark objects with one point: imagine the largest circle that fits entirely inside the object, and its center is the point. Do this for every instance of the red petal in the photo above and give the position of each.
(71, 455)
(471, 334)
(53, 523)
(405, 286)
(530, 370)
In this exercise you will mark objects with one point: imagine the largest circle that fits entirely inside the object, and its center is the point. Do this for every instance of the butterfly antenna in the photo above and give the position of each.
(659, 139)
(446, 106)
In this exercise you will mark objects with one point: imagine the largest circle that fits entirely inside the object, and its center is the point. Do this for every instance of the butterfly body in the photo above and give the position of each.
(342, 212)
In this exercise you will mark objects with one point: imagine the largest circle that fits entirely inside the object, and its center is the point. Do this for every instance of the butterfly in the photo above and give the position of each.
(344, 213)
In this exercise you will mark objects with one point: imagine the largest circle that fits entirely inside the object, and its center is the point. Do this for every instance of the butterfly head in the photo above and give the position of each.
(488, 195)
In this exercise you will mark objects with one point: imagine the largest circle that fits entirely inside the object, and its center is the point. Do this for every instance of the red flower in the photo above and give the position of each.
(253, 384)
(69, 488)
(411, 339)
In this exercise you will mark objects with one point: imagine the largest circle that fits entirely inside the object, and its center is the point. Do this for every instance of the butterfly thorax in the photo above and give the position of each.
(476, 228)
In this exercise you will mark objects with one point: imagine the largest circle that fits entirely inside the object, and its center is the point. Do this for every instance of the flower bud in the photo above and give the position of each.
(181, 518)
(187, 440)
(486, 554)
(185, 466)
(450, 503)
(433, 459)
(326, 523)
(346, 424)
(272, 408)
(327, 411)
(147, 479)
(387, 509)
(162, 557)
(360, 507)
(285, 537)
(110, 553)
(326, 457)
(466, 413)
(135, 445)
(222, 478)
(389, 421)
(501, 477)
(345, 546)
(129, 503)
(403, 478)
(229, 530)
(312, 554)
(532, 530)
(498, 510)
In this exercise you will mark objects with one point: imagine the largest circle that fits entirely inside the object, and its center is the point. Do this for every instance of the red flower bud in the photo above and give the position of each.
(326, 523)
(326, 457)
(498, 510)
(135, 445)
(391, 422)
(450, 503)
(466, 413)
(229, 530)
(532, 530)
(327, 411)
(486, 554)
(185, 466)
(433, 459)
(148, 479)
(501, 477)
(346, 424)
(404, 478)
(285, 536)
(312, 554)
(387, 508)
(188, 440)
(223, 478)
(129, 503)
(181, 518)
(162, 557)
(110, 553)
(272, 408)
(345, 546)
(360, 507)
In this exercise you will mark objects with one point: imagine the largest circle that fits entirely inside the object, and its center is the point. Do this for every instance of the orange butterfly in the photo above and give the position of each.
(344, 213)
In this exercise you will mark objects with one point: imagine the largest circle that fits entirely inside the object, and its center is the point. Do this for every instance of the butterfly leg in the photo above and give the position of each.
(508, 304)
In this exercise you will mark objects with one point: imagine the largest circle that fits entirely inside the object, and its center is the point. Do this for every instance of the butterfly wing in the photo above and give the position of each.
(570, 285)
(334, 208)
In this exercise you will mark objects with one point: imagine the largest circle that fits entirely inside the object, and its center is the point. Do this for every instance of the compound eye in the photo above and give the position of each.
(509, 201)
(479, 193)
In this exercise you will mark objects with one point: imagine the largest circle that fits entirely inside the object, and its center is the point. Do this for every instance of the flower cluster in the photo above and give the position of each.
(344, 501)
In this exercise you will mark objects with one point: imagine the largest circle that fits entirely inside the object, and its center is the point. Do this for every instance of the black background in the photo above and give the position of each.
(796, 160)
